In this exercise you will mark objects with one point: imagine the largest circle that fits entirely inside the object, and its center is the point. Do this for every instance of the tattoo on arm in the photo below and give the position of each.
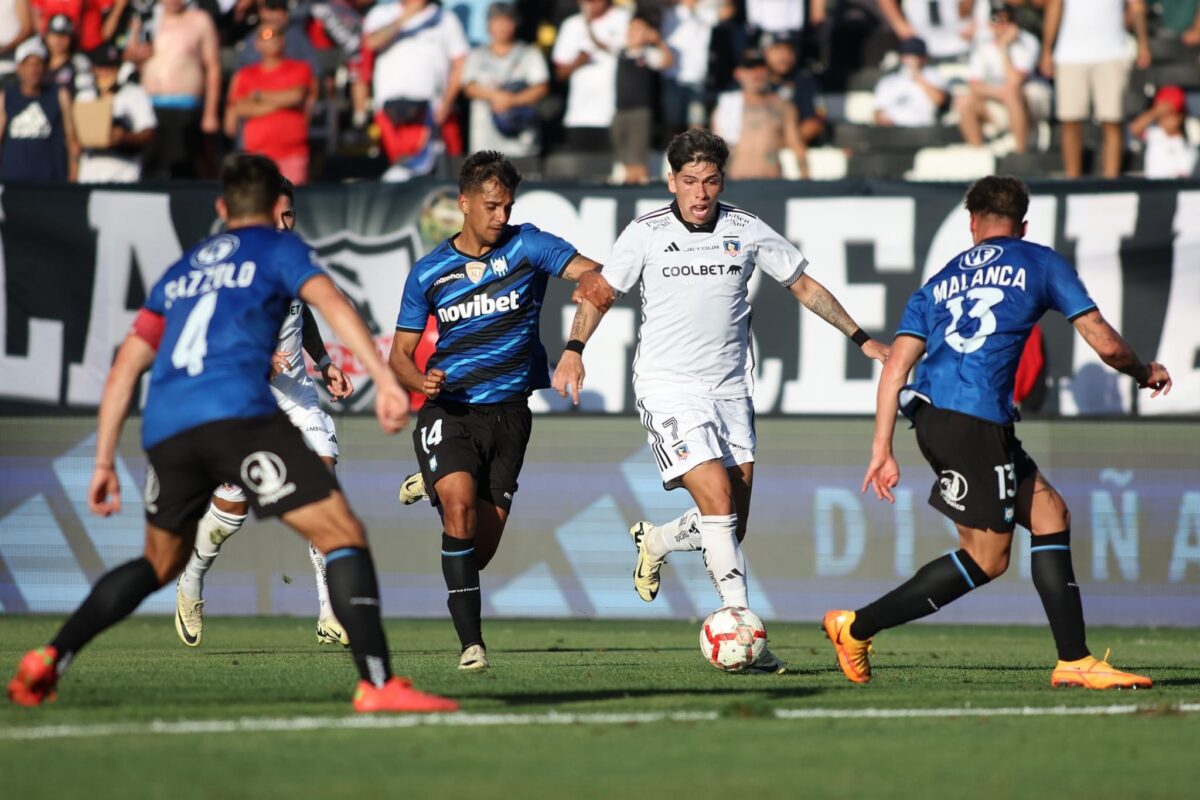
(587, 318)
(827, 307)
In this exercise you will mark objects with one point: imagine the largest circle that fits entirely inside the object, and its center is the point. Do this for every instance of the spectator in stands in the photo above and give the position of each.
(757, 124)
(585, 54)
(129, 22)
(16, 25)
(475, 16)
(1001, 65)
(505, 80)
(687, 29)
(785, 80)
(943, 25)
(181, 70)
(133, 122)
(65, 68)
(39, 137)
(419, 53)
(86, 17)
(1083, 49)
(644, 55)
(1182, 17)
(784, 18)
(273, 100)
(296, 44)
(912, 95)
(1169, 154)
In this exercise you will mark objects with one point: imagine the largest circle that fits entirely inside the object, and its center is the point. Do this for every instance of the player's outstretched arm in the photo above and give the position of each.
(1119, 354)
(817, 299)
(133, 358)
(337, 382)
(593, 287)
(883, 473)
(569, 374)
(391, 403)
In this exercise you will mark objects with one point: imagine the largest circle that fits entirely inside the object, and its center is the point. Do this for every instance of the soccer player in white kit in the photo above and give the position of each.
(693, 374)
(297, 397)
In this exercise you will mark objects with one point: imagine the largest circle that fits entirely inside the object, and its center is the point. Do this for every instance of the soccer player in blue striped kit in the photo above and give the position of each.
(207, 332)
(972, 320)
(485, 286)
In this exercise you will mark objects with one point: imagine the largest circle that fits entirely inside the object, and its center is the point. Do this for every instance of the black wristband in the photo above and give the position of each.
(575, 346)
(860, 337)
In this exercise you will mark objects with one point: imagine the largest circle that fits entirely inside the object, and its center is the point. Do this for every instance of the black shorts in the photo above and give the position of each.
(266, 456)
(486, 441)
(979, 467)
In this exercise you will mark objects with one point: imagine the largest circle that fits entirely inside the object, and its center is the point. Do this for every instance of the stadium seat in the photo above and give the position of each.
(860, 108)
(878, 165)
(864, 80)
(878, 139)
(952, 163)
(1027, 165)
(824, 163)
(1170, 50)
(1184, 75)
(578, 165)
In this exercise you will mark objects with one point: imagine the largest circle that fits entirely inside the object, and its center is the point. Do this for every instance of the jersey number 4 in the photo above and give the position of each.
(985, 297)
(192, 345)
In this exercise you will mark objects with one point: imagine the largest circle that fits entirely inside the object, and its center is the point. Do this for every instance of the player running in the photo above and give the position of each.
(297, 397)
(485, 286)
(210, 418)
(972, 319)
(693, 375)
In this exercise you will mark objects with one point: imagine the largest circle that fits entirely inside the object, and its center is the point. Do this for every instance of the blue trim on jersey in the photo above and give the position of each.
(962, 570)
(915, 334)
(464, 360)
(341, 552)
(1041, 547)
(1073, 316)
(458, 554)
(424, 276)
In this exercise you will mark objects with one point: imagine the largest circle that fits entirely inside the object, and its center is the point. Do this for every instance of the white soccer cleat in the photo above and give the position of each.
(330, 631)
(646, 578)
(474, 658)
(413, 489)
(189, 618)
(768, 663)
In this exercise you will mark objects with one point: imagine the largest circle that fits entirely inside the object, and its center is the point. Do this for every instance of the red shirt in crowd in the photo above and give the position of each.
(86, 15)
(281, 133)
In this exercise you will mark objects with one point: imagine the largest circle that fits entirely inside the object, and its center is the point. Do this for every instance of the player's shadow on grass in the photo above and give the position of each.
(594, 695)
(1173, 681)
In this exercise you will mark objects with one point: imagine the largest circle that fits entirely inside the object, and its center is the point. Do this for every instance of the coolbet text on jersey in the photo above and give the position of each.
(487, 312)
(214, 358)
(975, 316)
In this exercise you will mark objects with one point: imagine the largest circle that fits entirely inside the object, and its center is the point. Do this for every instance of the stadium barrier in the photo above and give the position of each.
(814, 541)
(75, 263)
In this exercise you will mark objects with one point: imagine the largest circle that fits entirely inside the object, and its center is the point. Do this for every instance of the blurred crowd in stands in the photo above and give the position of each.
(128, 90)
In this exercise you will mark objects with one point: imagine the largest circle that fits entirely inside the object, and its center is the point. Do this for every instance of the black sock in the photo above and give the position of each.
(462, 587)
(939, 582)
(354, 595)
(114, 597)
(1054, 579)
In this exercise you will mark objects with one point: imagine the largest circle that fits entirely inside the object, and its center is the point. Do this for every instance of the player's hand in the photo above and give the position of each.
(280, 362)
(883, 473)
(876, 350)
(337, 383)
(391, 406)
(568, 376)
(1159, 380)
(594, 288)
(431, 387)
(104, 492)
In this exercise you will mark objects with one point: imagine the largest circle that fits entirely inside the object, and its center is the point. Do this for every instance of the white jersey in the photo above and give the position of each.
(293, 389)
(695, 333)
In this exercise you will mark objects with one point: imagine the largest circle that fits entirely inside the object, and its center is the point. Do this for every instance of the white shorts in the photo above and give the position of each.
(685, 431)
(319, 435)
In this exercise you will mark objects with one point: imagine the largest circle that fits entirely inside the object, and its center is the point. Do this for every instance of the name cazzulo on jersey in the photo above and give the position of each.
(203, 280)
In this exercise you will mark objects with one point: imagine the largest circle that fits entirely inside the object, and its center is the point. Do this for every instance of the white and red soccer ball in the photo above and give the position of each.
(732, 638)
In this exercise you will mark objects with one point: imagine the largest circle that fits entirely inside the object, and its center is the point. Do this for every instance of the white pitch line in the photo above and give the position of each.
(382, 722)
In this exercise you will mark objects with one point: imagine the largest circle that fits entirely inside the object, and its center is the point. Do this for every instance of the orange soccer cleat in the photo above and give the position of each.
(853, 656)
(398, 695)
(37, 674)
(1096, 673)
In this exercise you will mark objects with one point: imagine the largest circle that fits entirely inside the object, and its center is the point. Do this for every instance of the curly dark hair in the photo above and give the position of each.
(485, 166)
(998, 196)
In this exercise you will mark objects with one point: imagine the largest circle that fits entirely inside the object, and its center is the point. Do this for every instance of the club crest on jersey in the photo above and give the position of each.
(980, 256)
(265, 474)
(216, 251)
(475, 270)
(732, 247)
(500, 266)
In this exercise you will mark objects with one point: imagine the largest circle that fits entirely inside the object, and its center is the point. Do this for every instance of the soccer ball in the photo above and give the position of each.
(732, 638)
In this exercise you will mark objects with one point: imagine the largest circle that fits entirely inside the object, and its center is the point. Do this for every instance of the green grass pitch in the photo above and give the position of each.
(734, 742)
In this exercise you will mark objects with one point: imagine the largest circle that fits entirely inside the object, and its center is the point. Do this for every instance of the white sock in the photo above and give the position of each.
(318, 563)
(213, 529)
(724, 560)
(678, 535)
